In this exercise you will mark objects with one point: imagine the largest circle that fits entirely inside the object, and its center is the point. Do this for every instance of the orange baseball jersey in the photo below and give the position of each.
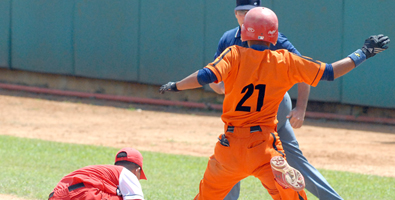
(256, 82)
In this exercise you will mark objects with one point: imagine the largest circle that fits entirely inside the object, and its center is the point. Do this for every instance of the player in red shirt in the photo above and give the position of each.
(112, 182)
(256, 80)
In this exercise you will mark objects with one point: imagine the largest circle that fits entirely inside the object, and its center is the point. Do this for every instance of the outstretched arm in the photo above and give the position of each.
(342, 67)
(195, 80)
(373, 45)
(188, 82)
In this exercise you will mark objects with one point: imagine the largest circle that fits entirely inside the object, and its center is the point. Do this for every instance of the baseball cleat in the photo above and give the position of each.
(285, 175)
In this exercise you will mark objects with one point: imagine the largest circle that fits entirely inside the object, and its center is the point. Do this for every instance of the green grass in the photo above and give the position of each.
(31, 168)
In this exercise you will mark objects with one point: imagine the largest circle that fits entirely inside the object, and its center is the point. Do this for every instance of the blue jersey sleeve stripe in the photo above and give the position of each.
(310, 59)
(218, 72)
(222, 57)
(318, 72)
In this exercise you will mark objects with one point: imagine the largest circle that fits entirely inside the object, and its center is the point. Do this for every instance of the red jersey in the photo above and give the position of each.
(106, 178)
(256, 82)
(103, 177)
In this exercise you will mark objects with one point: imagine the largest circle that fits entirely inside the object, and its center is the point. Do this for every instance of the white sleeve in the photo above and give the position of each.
(130, 186)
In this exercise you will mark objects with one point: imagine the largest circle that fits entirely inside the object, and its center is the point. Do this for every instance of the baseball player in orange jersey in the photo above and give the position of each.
(256, 80)
(111, 182)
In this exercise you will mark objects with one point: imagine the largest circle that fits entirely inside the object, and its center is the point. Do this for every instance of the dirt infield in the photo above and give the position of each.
(355, 147)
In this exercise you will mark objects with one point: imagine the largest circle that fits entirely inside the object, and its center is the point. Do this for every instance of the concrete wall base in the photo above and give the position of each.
(131, 89)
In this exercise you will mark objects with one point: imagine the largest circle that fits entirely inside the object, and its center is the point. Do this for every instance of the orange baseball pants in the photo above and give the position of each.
(248, 154)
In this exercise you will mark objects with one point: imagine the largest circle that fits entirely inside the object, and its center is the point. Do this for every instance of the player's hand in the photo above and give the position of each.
(170, 86)
(296, 117)
(375, 44)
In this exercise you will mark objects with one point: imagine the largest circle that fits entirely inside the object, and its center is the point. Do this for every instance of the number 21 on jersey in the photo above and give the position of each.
(249, 90)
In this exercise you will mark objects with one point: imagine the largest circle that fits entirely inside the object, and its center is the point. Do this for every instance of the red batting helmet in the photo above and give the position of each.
(260, 23)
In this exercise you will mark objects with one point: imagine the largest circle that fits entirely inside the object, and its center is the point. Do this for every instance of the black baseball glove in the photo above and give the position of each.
(170, 86)
(375, 44)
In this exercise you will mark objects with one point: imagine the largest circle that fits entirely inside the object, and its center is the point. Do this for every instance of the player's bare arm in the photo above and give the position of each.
(342, 67)
(189, 82)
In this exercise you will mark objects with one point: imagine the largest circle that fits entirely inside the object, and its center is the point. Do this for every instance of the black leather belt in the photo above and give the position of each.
(71, 188)
(252, 129)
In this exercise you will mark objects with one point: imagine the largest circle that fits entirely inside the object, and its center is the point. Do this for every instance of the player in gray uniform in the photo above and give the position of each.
(287, 118)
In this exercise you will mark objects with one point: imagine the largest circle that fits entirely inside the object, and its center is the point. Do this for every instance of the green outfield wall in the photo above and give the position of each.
(152, 41)
(5, 19)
